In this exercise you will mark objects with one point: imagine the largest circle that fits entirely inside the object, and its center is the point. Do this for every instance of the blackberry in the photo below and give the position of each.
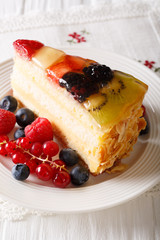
(75, 84)
(71, 79)
(98, 73)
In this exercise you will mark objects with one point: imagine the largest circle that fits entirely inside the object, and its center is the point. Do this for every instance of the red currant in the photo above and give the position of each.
(27, 156)
(36, 149)
(50, 148)
(61, 179)
(10, 147)
(32, 165)
(4, 138)
(44, 156)
(18, 141)
(44, 172)
(3, 150)
(58, 163)
(18, 157)
(25, 143)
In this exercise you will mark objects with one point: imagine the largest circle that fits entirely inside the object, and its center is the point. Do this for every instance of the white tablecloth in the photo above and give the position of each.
(129, 28)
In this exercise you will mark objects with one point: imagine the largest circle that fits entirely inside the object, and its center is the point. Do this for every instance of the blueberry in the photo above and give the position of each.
(69, 156)
(9, 103)
(146, 130)
(24, 117)
(79, 175)
(20, 171)
(19, 133)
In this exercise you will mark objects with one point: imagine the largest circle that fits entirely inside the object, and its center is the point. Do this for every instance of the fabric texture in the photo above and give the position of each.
(133, 31)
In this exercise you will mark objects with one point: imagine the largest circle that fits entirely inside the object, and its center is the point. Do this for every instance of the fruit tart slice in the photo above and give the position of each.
(93, 109)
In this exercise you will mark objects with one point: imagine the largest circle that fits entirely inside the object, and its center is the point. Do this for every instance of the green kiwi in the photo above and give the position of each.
(110, 105)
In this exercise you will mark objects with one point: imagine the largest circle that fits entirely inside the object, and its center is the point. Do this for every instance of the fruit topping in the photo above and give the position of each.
(7, 121)
(46, 56)
(26, 48)
(24, 117)
(79, 175)
(100, 74)
(20, 171)
(61, 179)
(19, 133)
(50, 148)
(39, 131)
(9, 103)
(69, 156)
(44, 172)
(68, 64)
(82, 85)
(110, 104)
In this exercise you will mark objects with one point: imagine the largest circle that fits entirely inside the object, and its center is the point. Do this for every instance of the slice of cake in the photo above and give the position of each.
(94, 110)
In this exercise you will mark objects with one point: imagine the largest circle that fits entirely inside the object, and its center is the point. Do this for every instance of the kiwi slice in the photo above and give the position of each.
(113, 101)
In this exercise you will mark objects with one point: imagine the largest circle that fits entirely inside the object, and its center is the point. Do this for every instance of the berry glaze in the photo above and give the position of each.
(80, 77)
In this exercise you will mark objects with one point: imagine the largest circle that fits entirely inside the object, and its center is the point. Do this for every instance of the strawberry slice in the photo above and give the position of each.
(55, 72)
(69, 64)
(27, 48)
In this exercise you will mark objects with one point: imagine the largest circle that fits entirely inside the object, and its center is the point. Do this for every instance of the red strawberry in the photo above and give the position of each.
(39, 131)
(27, 48)
(57, 71)
(7, 121)
(76, 63)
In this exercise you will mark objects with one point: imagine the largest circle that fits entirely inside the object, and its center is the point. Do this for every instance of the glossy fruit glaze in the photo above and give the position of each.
(104, 93)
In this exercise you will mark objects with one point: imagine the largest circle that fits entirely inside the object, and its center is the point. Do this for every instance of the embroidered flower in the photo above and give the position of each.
(77, 38)
(149, 64)
(74, 35)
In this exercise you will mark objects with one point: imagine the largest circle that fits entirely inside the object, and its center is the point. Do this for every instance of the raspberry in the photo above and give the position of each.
(27, 48)
(7, 121)
(39, 131)
(4, 138)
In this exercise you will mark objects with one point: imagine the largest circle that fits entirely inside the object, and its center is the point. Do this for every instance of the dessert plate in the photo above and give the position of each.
(106, 190)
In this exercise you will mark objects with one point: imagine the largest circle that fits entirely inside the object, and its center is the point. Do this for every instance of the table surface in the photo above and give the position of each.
(129, 28)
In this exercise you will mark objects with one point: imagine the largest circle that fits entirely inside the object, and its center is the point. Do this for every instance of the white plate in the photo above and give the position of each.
(106, 190)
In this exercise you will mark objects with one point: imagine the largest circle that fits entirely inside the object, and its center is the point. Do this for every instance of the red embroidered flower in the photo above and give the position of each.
(149, 64)
(77, 38)
(82, 39)
(74, 35)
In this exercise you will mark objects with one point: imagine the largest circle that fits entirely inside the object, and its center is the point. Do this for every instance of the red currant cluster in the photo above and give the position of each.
(38, 157)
